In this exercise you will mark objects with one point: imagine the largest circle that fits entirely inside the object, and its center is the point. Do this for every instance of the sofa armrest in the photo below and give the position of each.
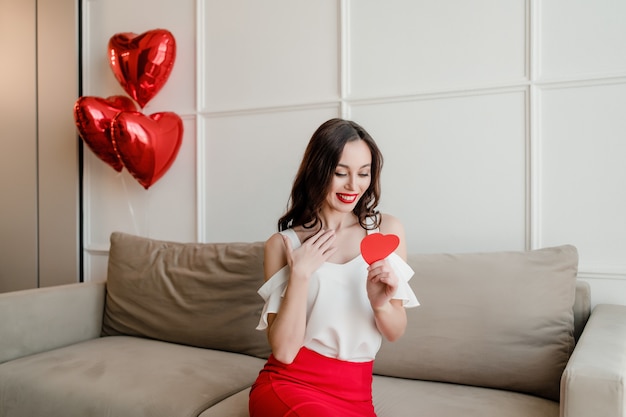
(42, 319)
(593, 383)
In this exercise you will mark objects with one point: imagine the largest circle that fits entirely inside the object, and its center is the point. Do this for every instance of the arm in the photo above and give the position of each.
(389, 314)
(594, 381)
(287, 327)
(38, 320)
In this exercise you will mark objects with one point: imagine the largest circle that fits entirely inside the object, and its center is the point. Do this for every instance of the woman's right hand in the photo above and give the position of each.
(287, 327)
(313, 252)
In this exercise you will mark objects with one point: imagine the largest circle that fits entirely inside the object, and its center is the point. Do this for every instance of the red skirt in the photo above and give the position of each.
(313, 386)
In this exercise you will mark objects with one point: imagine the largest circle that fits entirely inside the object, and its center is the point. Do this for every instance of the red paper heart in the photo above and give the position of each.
(147, 145)
(377, 246)
(92, 116)
(142, 63)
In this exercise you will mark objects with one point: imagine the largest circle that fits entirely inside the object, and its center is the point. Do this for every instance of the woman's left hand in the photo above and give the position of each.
(382, 283)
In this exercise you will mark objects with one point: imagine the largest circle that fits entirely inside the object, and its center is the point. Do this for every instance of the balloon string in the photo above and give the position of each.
(131, 210)
(146, 215)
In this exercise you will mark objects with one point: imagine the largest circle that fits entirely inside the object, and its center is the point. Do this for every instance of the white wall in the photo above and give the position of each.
(502, 123)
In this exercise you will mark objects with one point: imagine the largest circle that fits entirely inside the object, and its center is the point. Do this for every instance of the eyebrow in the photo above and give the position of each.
(346, 166)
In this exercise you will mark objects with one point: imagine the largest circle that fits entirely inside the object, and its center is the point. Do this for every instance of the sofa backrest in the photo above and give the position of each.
(501, 320)
(582, 307)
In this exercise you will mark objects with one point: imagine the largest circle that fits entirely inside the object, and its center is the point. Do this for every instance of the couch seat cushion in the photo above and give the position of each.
(123, 376)
(394, 397)
(234, 406)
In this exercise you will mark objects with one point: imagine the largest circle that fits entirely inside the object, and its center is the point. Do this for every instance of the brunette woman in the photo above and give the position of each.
(326, 309)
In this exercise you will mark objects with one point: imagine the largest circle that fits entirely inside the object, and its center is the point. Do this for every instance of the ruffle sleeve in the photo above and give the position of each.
(272, 292)
(404, 273)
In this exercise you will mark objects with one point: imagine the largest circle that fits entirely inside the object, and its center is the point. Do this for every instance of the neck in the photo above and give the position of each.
(338, 221)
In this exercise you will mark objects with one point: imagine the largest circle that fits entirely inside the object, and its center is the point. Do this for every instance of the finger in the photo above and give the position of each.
(374, 277)
(314, 238)
(329, 252)
(328, 243)
(375, 280)
(324, 244)
(377, 264)
(376, 268)
(323, 236)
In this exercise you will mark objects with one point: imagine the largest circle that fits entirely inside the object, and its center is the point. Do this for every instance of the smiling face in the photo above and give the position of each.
(340, 170)
(352, 176)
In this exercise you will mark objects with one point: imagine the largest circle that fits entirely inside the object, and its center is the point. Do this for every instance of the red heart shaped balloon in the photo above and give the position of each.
(147, 145)
(377, 246)
(142, 63)
(92, 116)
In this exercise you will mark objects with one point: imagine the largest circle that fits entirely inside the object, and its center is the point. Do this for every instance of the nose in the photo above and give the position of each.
(351, 184)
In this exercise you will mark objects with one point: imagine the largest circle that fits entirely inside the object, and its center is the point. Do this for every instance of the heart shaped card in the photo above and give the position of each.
(376, 246)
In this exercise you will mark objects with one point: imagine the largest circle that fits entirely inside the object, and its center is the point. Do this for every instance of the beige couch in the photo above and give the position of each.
(171, 333)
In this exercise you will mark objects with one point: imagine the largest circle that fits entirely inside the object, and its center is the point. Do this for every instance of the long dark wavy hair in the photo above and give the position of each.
(316, 171)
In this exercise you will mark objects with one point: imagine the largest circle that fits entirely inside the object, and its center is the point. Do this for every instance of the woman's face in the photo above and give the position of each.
(352, 176)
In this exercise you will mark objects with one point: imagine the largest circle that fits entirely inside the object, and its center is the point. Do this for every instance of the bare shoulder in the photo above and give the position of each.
(390, 224)
(275, 257)
(275, 242)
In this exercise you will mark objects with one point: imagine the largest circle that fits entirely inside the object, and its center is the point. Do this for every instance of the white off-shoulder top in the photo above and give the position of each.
(340, 321)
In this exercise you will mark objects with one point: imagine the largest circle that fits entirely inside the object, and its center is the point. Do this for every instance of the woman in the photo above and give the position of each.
(326, 310)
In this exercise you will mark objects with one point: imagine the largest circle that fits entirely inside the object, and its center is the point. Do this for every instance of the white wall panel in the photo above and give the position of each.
(606, 290)
(250, 162)
(269, 53)
(401, 47)
(96, 264)
(455, 169)
(583, 174)
(581, 38)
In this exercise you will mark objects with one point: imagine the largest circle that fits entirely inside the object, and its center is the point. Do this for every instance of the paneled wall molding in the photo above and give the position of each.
(97, 250)
(344, 69)
(592, 80)
(200, 52)
(201, 186)
(618, 275)
(352, 101)
(455, 91)
(440, 94)
(533, 191)
(267, 110)
(533, 40)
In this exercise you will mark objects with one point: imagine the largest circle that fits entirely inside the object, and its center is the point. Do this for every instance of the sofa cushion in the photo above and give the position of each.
(395, 397)
(123, 376)
(501, 320)
(197, 294)
(234, 406)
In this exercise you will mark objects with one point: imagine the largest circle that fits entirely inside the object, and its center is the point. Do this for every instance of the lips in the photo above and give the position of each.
(347, 198)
